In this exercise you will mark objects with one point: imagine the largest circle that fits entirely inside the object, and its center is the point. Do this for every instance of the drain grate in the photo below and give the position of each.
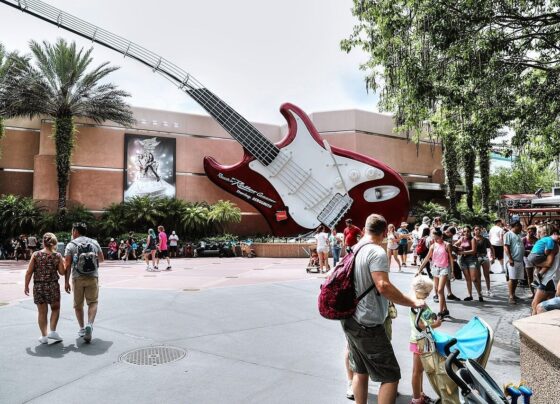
(153, 355)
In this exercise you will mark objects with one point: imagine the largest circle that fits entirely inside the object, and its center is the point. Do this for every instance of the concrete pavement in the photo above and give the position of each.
(250, 328)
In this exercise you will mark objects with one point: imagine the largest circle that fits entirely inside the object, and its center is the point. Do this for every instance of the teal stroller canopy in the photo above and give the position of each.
(472, 340)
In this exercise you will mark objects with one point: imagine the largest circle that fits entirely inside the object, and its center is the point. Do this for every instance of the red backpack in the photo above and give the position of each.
(421, 247)
(337, 299)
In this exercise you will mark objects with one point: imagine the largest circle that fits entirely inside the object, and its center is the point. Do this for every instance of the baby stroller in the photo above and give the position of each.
(461, 368)
(313, 264)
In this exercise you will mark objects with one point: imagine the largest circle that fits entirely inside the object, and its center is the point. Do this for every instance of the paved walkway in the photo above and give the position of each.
(250, 328)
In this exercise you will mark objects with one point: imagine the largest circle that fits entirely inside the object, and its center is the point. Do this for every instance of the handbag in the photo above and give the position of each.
(392, 311)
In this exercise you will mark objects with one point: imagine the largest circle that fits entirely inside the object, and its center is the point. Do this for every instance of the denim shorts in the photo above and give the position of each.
(551, 304)
(439, 271)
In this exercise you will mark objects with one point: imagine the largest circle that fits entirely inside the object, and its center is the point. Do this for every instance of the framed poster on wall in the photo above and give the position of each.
(149, 163)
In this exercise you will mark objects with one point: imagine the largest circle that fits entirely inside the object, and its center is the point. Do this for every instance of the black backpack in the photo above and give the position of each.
(87, 261)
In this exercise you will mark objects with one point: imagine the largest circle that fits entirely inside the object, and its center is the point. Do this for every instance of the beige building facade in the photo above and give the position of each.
(27, 165)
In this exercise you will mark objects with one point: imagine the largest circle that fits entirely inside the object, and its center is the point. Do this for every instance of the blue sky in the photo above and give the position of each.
(253, 54)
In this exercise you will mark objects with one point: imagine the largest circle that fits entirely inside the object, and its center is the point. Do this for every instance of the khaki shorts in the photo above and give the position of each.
(370, 352)
(85, 287)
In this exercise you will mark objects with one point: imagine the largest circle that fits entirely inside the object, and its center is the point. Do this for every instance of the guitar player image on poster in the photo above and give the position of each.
(150, 166)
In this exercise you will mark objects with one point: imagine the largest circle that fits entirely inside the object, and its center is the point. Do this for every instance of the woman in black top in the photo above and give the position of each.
(482, 247)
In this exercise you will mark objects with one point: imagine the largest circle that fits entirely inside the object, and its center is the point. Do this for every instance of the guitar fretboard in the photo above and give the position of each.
(237, 126)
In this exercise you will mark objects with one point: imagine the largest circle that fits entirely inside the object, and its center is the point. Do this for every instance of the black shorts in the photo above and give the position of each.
(163, 254)
(371, 352)
(173, 248)
(499, 251)
(402, 249)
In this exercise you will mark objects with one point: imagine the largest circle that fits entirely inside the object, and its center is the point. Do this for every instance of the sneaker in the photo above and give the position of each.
(453, 297)
(480, 299)
(535, 284)
(54, 335)
(149, 268)
(349, 391)
(468, 299)
(168, 268)
(155, 267)
(81, 332)
(436, 299)
(445, 313)
(88, 332)
(43, 340)
(489, 293)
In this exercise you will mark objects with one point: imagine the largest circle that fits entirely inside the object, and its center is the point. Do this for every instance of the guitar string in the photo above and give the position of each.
(247, 129)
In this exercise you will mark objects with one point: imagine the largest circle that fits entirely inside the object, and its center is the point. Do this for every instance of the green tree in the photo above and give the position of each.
(19, 215)
(143, 212)
(6, 61)
(524, 177)
(223, 213)
(195, 220)
(58, 85)
(113, 221)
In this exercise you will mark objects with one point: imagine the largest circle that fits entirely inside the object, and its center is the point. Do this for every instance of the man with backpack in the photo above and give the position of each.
(82, 258)
(371, 354)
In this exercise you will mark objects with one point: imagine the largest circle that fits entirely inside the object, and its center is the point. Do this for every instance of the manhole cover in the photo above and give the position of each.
(153, 355)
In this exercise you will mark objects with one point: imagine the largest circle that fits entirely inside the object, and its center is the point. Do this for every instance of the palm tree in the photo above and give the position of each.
(223, 213)
(6, 60)
(195, 220)
(59, 86)
(142, 212)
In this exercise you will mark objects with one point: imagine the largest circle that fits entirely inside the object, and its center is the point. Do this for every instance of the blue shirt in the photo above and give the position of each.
(545, 243)
(403, 241)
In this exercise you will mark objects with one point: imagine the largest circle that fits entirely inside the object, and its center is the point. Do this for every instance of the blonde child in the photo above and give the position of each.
(421, 288)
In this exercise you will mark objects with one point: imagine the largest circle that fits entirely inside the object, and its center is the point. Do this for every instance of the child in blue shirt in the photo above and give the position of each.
(541, 256)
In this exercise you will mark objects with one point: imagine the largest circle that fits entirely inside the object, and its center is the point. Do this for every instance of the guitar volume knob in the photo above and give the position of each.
(373, 173)
(354, 175)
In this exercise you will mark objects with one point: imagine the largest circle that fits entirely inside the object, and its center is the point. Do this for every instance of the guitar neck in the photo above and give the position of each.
(237, 126)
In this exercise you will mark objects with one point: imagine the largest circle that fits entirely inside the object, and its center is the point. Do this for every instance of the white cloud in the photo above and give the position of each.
(253, 54)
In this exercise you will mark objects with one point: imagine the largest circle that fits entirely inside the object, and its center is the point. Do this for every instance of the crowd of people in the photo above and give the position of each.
(440, 252)
(19, 248)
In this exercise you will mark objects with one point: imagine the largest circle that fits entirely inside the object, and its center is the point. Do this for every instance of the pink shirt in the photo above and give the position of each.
(162, 241)
(440, 256)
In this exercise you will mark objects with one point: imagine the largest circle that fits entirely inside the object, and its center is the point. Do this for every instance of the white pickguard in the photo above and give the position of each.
(306, 161)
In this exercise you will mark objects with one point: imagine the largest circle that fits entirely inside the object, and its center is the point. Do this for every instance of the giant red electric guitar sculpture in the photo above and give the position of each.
(296, 184)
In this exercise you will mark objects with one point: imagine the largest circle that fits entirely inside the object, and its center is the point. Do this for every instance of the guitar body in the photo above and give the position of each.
(292, 191)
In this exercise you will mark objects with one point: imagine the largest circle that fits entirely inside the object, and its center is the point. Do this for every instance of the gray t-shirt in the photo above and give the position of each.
(372, 309)
(515, 243)
(72, 250)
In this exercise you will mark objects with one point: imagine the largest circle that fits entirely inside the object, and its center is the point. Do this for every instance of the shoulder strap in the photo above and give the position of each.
(354, 266)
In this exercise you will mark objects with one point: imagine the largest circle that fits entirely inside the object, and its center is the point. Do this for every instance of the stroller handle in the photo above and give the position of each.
(452, 359)
(447, 347)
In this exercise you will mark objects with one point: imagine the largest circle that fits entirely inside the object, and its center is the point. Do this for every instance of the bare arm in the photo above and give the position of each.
(450, 252)
(390, 292)
(68, 271)
(61, 266)
(507, 250)
(29, 274)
